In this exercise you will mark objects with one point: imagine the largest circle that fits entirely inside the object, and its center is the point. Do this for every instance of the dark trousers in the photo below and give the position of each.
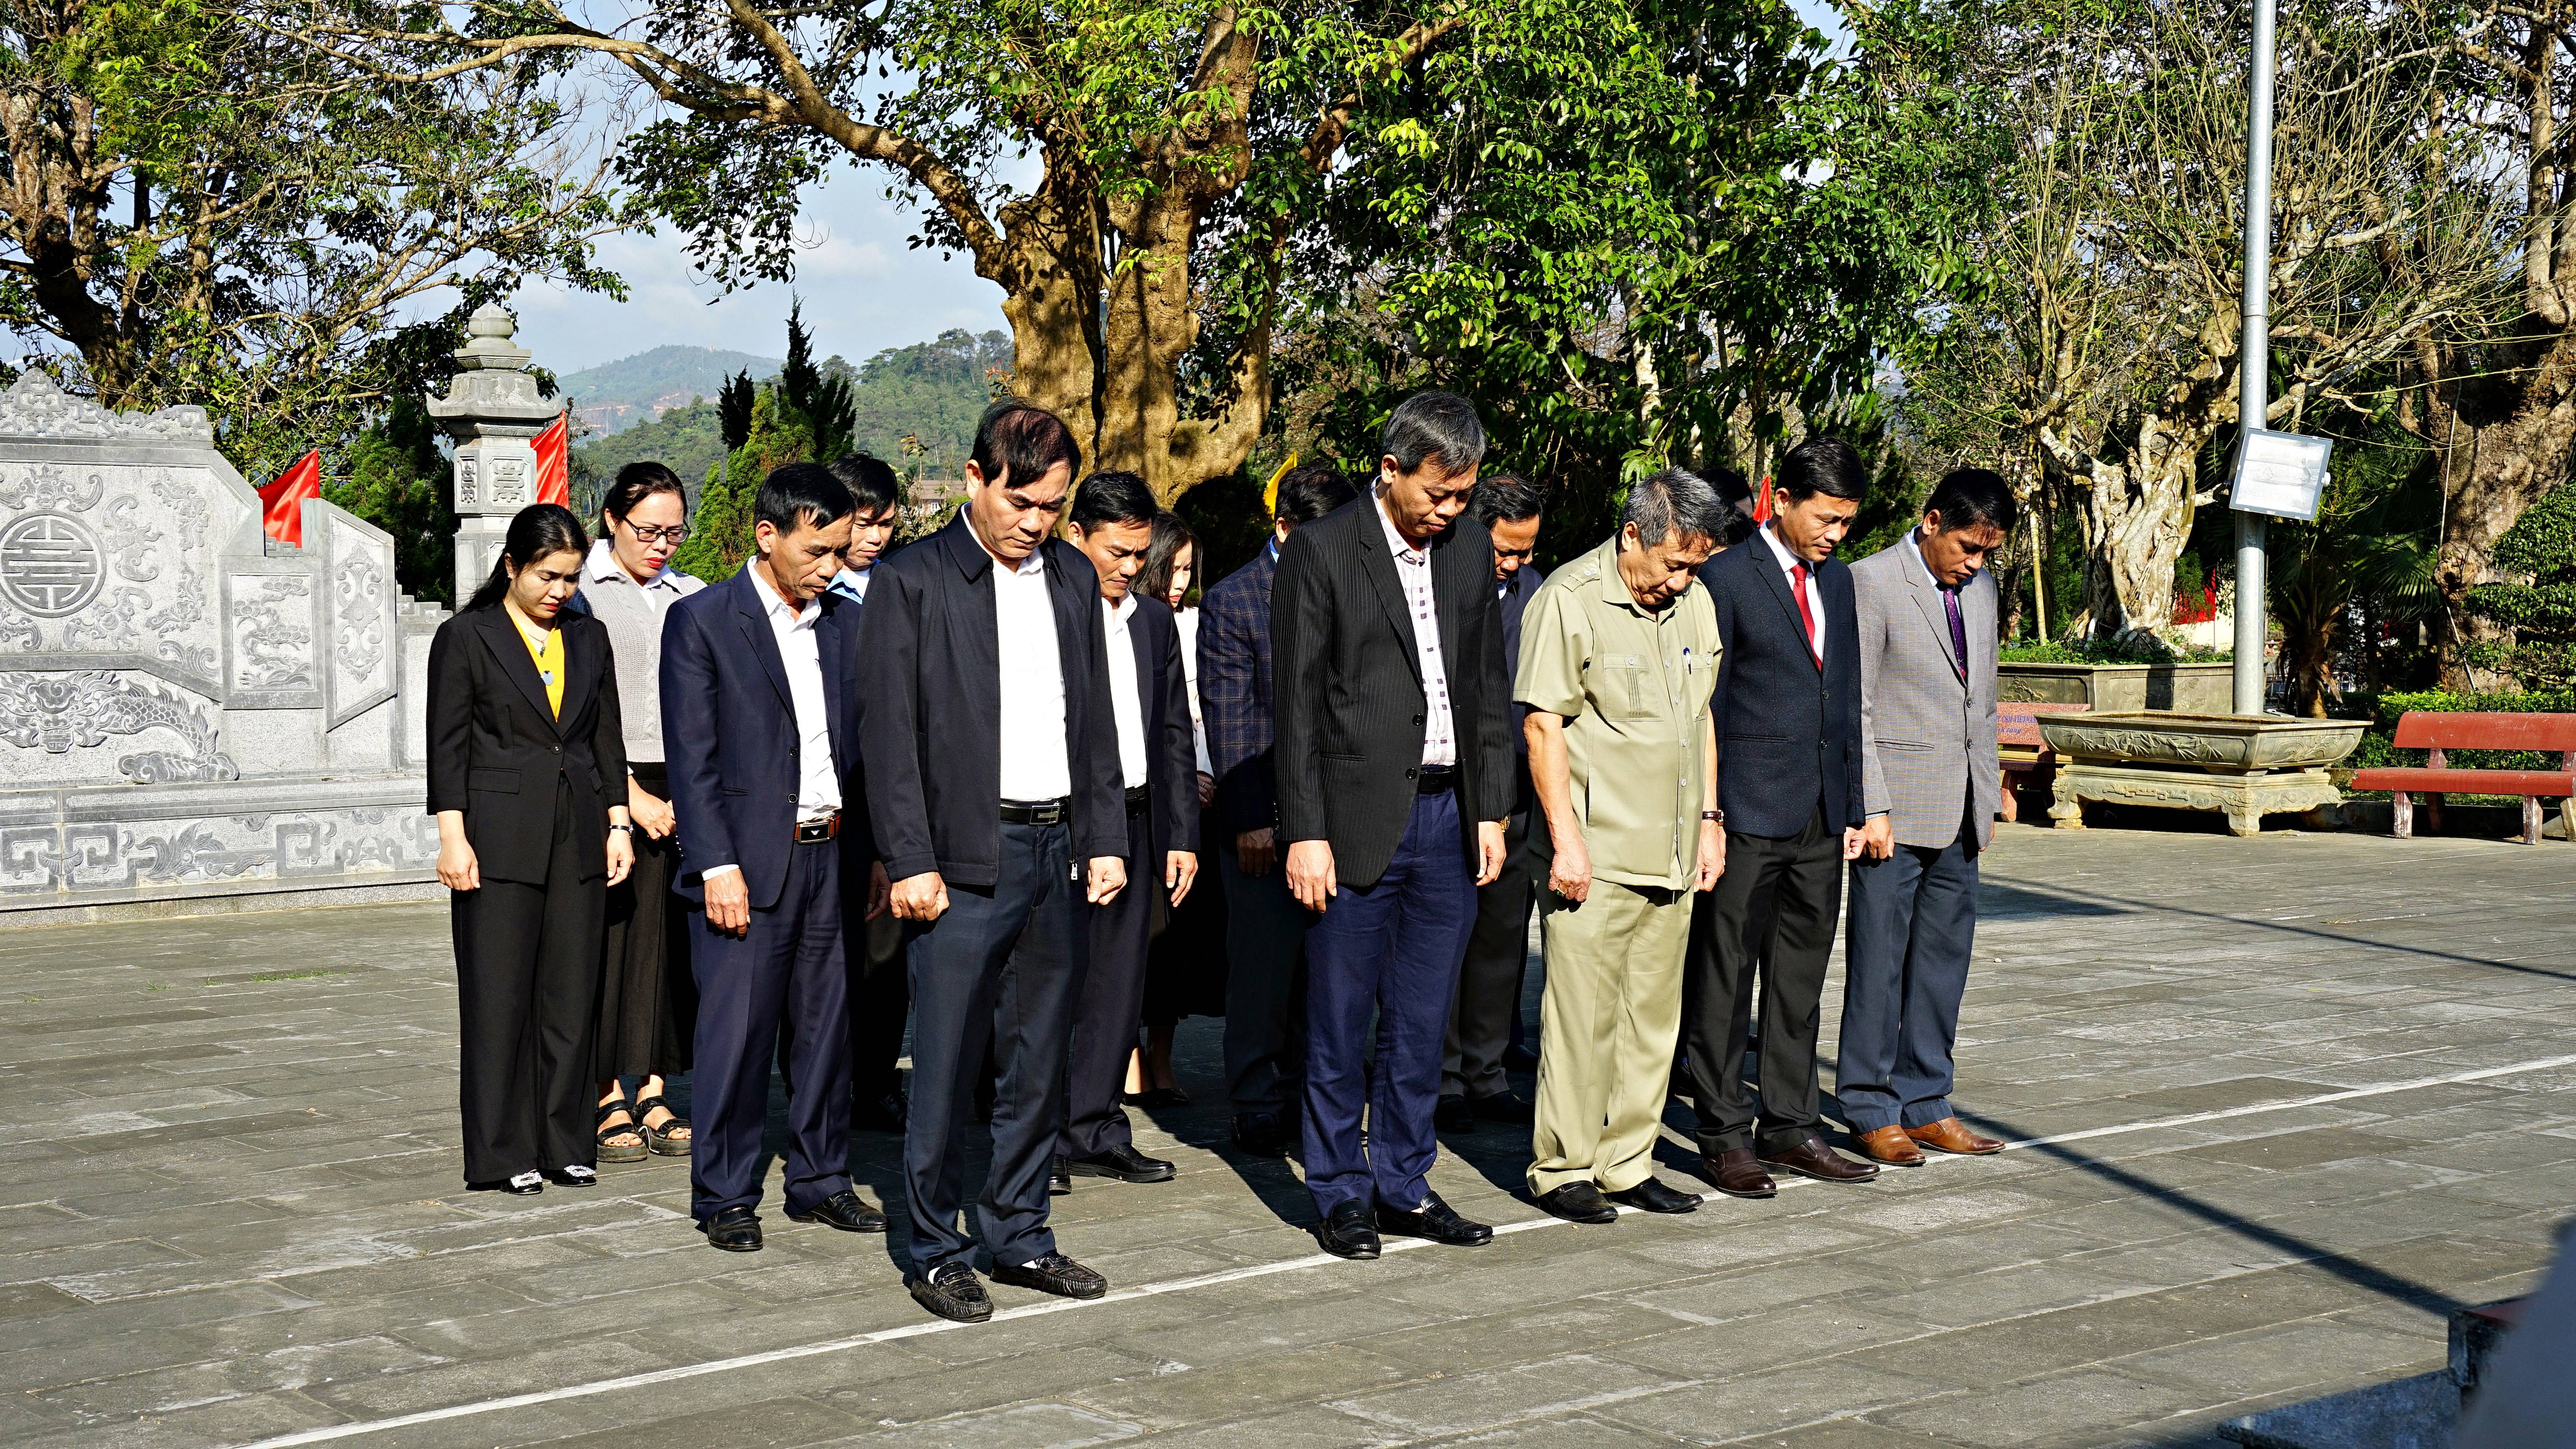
(879, 994)
(1489, 983)
(1111, 1003)
(999, 969)
(1905, 964)
(527, 991)
(787, 974)
(1265, 996)
(1803, 875)
(1388, 951)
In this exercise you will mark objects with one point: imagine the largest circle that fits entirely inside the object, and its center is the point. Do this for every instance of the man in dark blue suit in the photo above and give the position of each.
(1113, 525)
(763, 749)
(1265, 928)
(1787, 710)
(994, 793)
(1488, 1014)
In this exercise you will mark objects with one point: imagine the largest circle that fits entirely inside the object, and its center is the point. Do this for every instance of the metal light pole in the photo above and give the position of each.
(2254, 354)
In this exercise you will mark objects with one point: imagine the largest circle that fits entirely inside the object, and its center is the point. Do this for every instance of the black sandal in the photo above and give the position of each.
(659, 1138)
(618, 1152)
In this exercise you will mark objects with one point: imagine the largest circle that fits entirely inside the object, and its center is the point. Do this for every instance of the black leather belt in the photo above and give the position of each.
(1435, 779)
(1037, 812)
(810, 832)
(1137, 798)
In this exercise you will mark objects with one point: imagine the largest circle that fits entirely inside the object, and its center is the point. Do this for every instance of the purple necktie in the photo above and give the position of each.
(1958, 630)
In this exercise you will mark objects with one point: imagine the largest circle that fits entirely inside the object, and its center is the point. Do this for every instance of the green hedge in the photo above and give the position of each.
(2378, 747)
(2126, 649)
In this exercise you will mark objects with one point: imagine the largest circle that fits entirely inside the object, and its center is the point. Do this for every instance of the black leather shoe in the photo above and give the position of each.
(1261, 1134)
(1435, 1221)
(736, 1230)
(1653, 1197)
(845, 1211)
(953, 1292)
(882, 1114)
(1453, 1115)
(1812, 1158)
(1122, 1162)
(1055, 1273)
(1503, 1107)
(1737, 1173)
(1059, 1181)
(1345, 1231)
(1579, 1202)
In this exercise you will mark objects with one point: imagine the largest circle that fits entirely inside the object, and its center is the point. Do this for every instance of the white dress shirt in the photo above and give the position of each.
(1413, 570)
(1815, 596)
(1186, 622)
(818, 784)
(1035, 766)
(1126, 697)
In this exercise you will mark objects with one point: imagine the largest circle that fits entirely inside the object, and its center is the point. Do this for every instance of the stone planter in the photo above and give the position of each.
(2205, 688)
(2248, 766)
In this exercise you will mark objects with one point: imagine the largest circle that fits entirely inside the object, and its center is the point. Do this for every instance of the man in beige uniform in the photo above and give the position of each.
(1618, 660)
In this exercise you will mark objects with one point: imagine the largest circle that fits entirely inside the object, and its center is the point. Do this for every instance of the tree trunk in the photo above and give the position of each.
(2493, 471)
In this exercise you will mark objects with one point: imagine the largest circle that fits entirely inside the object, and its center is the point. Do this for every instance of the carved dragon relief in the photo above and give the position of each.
(58, 713)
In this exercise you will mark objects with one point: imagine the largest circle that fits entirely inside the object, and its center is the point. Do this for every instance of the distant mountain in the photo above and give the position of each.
(615, 396)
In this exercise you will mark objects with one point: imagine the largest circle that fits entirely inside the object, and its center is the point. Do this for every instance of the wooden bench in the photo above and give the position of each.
(2437, 732)
(2027, 759)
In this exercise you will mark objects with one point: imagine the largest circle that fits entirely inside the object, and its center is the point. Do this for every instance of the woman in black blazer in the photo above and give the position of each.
(527, 776)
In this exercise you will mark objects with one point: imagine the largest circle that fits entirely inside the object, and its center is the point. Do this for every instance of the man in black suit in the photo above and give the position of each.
(1472, 1085)
(1113, 525)
(1787, 710)
(992, 755)
(1265, 928)
(763, 753)
(1395, 775)
(879, 996)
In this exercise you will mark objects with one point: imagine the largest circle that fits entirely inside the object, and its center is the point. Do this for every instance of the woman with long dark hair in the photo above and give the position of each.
(527, 776)
(1185, 965)
(648, 1002)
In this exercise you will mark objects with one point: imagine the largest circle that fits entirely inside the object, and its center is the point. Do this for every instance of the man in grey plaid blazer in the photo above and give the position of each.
(1930, 787)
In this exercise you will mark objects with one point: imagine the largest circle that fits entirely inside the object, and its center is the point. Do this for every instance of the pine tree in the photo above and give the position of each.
(398, 482)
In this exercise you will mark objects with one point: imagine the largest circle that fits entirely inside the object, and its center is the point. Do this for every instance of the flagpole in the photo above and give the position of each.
(2254, 356)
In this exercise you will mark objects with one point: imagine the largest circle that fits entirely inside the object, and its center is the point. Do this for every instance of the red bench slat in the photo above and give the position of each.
(2428, 729)
(2545, 783)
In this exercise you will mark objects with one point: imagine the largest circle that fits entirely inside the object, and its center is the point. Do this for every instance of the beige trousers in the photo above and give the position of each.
(1608, 1019)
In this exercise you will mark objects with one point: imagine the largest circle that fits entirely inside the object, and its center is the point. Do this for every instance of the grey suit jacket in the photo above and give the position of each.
(1927, 737)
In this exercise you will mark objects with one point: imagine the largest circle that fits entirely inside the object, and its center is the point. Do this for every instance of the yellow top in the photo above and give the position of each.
(549, 654)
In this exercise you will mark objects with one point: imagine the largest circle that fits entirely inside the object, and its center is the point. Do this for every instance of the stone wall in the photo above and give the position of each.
(190, 715)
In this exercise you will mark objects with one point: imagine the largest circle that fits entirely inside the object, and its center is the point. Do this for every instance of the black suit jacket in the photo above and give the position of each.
(496, 750)
(1171, 749)
(1515, 602)
(1234, 694)
(1788, 733)
(729, 734)
(930, 708)
(1349, 690)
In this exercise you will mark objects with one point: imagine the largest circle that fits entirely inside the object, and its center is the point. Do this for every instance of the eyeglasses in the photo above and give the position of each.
(675, 533)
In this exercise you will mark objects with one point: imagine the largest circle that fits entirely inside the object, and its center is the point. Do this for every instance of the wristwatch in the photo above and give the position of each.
(621, 829)
(1718, 816)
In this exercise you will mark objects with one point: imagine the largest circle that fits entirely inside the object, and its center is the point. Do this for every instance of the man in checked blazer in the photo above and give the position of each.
(1787, 711)
(1395, 776)
(1265, 928)
(1930, 785)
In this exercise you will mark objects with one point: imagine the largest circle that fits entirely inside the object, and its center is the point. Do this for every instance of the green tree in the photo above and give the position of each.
(397, 479)
(207, 212)
(1185, 153)
(815, 398)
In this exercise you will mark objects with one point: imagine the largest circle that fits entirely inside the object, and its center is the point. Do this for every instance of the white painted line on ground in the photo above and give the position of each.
(620, 1384)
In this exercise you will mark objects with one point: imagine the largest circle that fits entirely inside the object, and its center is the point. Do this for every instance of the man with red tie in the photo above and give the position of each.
(1787, 711)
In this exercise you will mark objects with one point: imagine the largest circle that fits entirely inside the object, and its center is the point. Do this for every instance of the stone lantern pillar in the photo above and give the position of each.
(494, 414)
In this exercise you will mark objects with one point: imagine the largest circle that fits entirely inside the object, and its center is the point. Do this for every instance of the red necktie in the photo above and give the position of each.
(1806, 616)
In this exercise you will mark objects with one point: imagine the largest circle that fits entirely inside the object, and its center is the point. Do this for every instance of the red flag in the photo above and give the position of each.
(282, 502)
(1762, 503)
(554, 462)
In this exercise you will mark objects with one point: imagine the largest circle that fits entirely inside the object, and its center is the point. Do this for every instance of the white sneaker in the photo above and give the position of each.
(577, 1176)
(528, 1182)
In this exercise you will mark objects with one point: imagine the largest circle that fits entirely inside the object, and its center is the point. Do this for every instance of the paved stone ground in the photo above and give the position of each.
(230, 1211)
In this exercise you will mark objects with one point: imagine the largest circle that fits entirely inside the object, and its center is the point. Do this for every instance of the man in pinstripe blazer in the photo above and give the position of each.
(1930, 786)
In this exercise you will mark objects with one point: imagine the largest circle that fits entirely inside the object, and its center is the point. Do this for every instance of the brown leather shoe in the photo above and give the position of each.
(1812, 1158)
(1888, 1146)
(1736, 1173)
(1952, 1135)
